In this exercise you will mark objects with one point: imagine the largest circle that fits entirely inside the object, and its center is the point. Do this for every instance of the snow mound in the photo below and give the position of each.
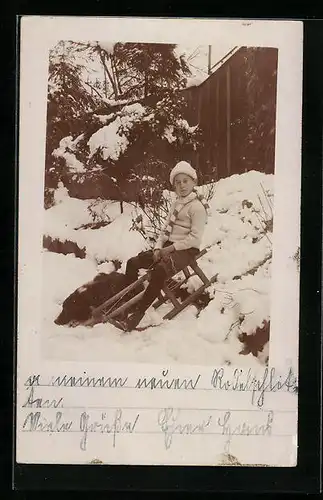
(73, 273)
(113, 241)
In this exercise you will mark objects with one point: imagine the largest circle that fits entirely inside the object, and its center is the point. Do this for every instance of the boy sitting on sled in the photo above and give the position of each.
(177, 244)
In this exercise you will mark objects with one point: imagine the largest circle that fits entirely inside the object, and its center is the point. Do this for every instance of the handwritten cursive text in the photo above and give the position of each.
(168, 423)
(115, 426)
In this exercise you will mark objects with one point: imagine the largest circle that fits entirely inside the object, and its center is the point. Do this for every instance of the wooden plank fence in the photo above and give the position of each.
(235, 108)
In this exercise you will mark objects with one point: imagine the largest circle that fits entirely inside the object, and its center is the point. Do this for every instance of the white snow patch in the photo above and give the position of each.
(106, 267)
(73, 164)
(60, 194)
(109, 141)
(114, 241)
(196, 80)
(107, 46)
(115, 102)
(104, 118)
(169, 134)
(184, 124)
(148, 178)
(75, 271)
(181, 124)
(112, 139)
(264, 354)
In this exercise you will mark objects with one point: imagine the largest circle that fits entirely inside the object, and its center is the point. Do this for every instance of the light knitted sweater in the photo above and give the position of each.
(188, 228)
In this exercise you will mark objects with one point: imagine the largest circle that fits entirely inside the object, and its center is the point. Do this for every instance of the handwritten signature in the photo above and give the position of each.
(245, 428)
(168, 423)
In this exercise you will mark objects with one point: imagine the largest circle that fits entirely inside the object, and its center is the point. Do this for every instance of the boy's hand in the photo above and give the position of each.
(157, 255)
(165, 252)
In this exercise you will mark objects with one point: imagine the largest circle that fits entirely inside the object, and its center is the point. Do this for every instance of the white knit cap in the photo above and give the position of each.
(183, 167)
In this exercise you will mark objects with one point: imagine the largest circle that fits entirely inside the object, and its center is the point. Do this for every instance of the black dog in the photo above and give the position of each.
(77, 308)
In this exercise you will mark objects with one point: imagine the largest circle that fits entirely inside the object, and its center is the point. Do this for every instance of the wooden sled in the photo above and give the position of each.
(111, 308)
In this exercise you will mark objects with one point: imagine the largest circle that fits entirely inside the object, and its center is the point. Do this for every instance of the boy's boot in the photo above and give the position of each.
(134, 319)
(158, 276)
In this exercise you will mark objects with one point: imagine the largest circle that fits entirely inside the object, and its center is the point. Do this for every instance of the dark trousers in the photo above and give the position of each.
(159, 272)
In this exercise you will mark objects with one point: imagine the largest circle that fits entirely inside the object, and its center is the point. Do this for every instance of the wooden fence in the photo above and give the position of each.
(235, 108)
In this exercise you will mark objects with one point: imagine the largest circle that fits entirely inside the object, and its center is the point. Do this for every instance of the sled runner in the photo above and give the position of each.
(111, 309)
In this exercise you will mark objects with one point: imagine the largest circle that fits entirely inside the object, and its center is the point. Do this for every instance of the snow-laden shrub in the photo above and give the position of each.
(118, 146)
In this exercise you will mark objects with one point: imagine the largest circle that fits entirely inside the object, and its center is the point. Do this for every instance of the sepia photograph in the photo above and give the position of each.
(159, 202)
(159, 241)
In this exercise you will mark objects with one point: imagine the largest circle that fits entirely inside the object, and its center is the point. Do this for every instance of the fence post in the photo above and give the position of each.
(209, 61)
(199, 115)
(228, 120)
(218, 154)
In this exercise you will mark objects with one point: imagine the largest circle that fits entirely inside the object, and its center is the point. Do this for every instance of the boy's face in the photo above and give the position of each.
(183, 185)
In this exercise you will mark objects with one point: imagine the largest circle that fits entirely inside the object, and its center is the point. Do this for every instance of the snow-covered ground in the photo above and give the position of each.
(237, 244)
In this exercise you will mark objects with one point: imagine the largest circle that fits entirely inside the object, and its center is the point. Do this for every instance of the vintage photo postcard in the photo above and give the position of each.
(159, 241)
